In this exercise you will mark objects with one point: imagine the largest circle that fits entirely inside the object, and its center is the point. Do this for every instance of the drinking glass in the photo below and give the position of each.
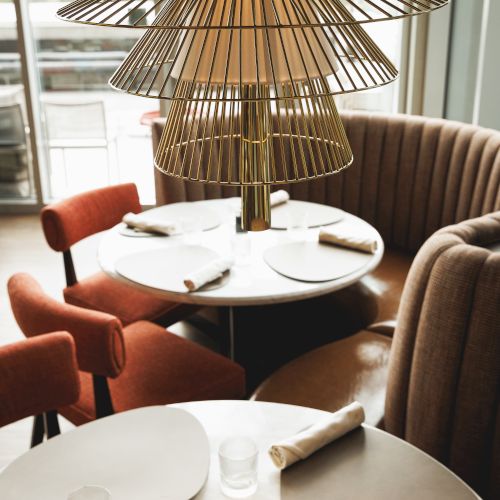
(90, 493)
(238, 467)
(297, 223)
(242, 248)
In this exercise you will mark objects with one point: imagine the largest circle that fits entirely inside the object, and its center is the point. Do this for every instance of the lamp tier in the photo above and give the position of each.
(215, 63)
(279, 13)
(253, 143)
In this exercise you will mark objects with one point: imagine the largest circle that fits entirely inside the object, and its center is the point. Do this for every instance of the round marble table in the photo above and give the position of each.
(252, 284)
(366, 463)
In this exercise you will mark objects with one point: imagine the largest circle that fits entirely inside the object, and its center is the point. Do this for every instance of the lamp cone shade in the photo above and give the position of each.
(289, 140)
(279, 13)
(321, 61)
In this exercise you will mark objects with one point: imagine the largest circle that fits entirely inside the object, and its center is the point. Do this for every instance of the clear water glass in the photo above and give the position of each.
(238, 467)
(90, 493)
(242, 248)
(297, 223)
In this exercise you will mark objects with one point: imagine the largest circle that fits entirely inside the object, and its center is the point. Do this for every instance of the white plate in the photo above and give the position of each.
(145, 454)
(198, 216)
(314, 261)
(166, 268)
(314, 214)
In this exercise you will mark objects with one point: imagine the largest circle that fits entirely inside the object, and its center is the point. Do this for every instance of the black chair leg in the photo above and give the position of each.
(38, 430)
(51, 424)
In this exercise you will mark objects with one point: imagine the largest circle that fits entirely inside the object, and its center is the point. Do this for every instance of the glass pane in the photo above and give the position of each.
(94, 136)
(15, 157)
(388, 35)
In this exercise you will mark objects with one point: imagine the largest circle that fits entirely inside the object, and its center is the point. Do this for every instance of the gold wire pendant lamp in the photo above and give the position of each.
(251, 84)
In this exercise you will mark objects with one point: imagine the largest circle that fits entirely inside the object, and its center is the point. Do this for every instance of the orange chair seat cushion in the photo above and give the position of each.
(162, 368)
(101, 293)
(334, 375)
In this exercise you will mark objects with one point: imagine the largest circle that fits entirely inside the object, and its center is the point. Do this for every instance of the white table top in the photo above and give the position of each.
(254, 284)
(367, 463)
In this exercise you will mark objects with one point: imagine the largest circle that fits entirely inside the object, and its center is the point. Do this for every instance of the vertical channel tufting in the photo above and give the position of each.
(352, 176)
(444, 374)
(484, 174)
(406, 175)
(473, 431)
(374, 140)
(437, 189)
(387, 185)
(455, 170)
(470, 173)
(405, 336)
(439, 344)
(491, 201)
(420, 197)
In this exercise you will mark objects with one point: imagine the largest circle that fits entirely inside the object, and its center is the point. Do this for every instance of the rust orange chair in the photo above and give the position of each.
(139, 365)
(37, 376)
(69, 221)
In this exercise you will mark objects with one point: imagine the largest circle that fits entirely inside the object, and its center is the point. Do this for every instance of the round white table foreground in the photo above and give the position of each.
(154, 453)
(366, 464)
(254, 284)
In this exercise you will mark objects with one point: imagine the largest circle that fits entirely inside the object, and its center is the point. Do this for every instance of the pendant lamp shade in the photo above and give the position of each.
(321, 61)
(290, 140)
(279, 13)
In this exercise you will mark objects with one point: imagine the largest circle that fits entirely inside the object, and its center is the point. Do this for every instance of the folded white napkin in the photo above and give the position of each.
(348, 239)
(141, 222)
(279, 197)
(305, 443)
(208, 273)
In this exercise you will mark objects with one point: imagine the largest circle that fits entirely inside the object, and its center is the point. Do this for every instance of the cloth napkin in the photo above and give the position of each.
(279, 197)
(347, 239)
(140, 222)
(305, 443)
(208, 273)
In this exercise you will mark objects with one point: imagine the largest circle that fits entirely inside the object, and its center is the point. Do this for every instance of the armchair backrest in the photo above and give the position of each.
(410, 177)
(37, 376)
(70, 220)
(443, 392)
(98, 336)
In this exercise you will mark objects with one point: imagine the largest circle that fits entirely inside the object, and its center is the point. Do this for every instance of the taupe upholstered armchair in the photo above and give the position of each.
(441, 381)
(411, 176)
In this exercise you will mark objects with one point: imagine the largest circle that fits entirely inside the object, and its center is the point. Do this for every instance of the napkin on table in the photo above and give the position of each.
(347, 239)
(140, 222)
(208, 273)
(306, 442)
(279, 197)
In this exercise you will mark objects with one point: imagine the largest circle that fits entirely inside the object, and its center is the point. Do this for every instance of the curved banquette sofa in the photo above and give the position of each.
(411, 176)
(436, 383)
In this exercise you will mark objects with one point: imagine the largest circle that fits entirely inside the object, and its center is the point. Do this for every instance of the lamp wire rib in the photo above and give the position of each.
(141, 13)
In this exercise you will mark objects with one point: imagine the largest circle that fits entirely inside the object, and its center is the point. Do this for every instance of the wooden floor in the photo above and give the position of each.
(23, 249)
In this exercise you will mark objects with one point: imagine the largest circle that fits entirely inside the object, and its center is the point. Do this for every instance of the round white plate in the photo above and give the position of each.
(145, 454)
(166, 268)
(314, 261)
(312, 214)
(195, 216)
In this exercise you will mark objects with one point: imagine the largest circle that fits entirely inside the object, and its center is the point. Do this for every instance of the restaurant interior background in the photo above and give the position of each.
(75, 133)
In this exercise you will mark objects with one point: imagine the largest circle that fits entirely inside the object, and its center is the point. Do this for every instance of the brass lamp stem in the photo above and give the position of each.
(254, 162)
